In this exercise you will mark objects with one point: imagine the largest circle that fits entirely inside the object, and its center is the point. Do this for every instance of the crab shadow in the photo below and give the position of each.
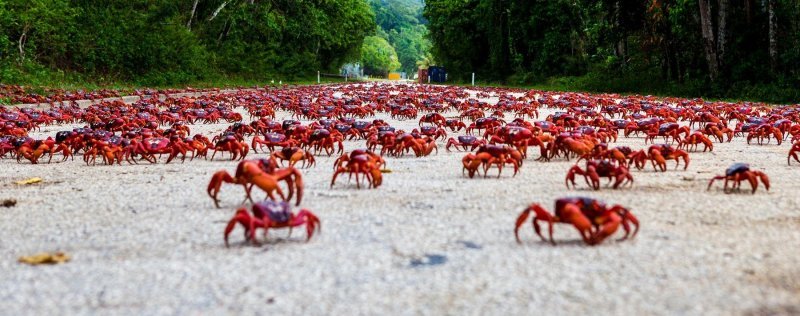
(491, 176)
(572, 243)
(347, 186)
(739, 191)
(603, 187)
(559, 243)
(275, 237)
(272, 241)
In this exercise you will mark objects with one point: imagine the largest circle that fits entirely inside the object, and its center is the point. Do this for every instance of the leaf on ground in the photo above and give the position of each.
(45, 258)
(8, 203)
(386, 170)
(29, 181)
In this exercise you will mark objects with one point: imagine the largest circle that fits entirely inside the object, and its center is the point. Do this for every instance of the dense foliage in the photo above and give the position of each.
(172, 41)
(400, 22)
(718, 48)
(700, 47)
(378, 56)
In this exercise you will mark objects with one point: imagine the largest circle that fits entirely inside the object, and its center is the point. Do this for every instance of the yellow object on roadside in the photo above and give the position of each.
(45, 258)
(29, 181)
(394, 76)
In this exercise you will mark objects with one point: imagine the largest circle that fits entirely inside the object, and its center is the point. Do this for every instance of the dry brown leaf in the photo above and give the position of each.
(29, 181)
(8, 203)
(45, 258)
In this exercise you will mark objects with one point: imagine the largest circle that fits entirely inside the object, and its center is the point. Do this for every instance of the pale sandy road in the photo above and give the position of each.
(132, 98)
(147, 240)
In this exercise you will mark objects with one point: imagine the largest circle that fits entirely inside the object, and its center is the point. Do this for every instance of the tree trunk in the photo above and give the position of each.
(191, 16)
(722, 31)
(23, 38)
(620, 50)
(511, 52)
(214, 15)
(773, 40)
(223, 32)
(748, 10)
(708, 39)
(678, 68)
(498, 47)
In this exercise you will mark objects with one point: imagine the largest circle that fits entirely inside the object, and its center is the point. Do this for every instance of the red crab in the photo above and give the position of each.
(658, 154)
(433, 118)
(471, 163)
(324, 139)
(465, 141)
(199, 145)
(433, 131)
(270, 214)
(571, 144)
(293, 155)
(422, 146)
(594, 220)
(360, 161)
(620, 154)
(667, 130)
(739, 172)
(272, 140)
(484, 123)
(33, 151)
(719, 131)
(519, 137)
(765, 132)
(230, 144)
(262, 173)
(793, 153)
(488, 155)
(150, 147)
(600, 168)
(455, 125)
(472, 114)
(696, 138)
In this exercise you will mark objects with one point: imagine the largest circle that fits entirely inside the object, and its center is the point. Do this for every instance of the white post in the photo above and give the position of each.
(317, 77)
(473, 78)
(429, 79)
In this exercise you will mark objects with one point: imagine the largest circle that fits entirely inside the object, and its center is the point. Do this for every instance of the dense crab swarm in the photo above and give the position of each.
(296, 124)
(16, 94)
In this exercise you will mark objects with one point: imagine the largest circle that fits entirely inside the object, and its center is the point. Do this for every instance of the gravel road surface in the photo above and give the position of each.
(146, 240)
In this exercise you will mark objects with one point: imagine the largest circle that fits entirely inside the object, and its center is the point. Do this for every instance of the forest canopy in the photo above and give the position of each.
(701, 47)
(716, 48)
(378, 56)
(401, 24)
(171, 41)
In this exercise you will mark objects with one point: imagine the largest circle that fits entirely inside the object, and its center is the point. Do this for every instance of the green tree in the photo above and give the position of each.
(5, 27)
(174, 41)
(40, 27)
(397, 14)
(378, 56)
(458, 43)
(411, 44)
(711, 47)
(401, 23)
